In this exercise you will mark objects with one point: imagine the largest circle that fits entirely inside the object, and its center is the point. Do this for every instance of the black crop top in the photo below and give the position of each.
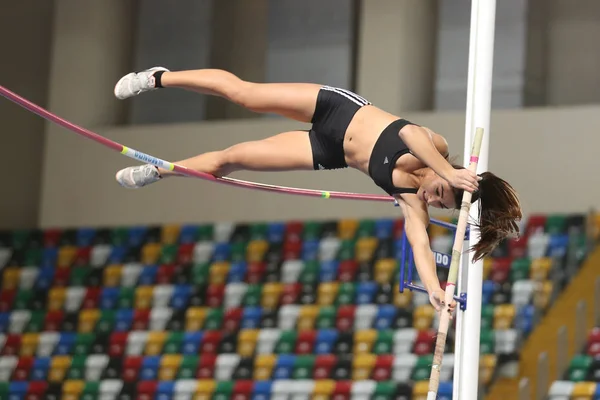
(387, 150)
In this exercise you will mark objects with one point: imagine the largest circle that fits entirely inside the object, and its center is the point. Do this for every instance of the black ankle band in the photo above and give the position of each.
(157, 79)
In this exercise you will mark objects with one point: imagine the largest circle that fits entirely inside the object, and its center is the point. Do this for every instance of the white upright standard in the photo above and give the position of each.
(470, 277)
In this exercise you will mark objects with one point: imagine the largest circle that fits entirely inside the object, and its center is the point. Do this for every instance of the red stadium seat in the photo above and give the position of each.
(53, 321)
(500, 269)
(425, 342)
(210, 342)
(256, 272)
(342, 390)
(383, 368)
(291, 293)
(146, 390)
(324, 364)
(118, 344)
(305, 342)
(131, 368)
(347, 271)
(7, 298)
(165, 273)
(214, 295)
(21, 371)
(206, 366)
(91, 298)
(345, 317)
(141, 320)
(292, 250)
(232, 319)
(185, 253)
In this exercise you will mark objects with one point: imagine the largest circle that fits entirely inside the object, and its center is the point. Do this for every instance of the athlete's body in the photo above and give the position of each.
(407, 161)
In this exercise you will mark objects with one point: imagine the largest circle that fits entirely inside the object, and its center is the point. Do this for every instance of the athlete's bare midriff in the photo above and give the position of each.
(362, 133)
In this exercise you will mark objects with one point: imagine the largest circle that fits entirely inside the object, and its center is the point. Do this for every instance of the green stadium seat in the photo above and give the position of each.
(346, 250)
(346, 293)
(173, 343)
(77, 369)
(200, 273)
(286, 343)
(555, 224)
(119, 236)
(36, 322)
(20, 239)
(91, 391)
(309, 274)
(487, 341)
(23, 299)
(223, 390)
(579, 367)
(519, 269)
(238, 251)
(258, 231)
(384, 344)
(168, 254)
(326, 317)
(384, 391)
(487, 316)
(106, 322)
(366, 228)
(188, 366)
(253, 295)
(33, 257)
(303, 367)
(214, 319)
(312, 230)
(83, 343)
(422, 369)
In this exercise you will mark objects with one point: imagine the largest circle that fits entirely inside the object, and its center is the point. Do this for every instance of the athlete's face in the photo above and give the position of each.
(436, 192)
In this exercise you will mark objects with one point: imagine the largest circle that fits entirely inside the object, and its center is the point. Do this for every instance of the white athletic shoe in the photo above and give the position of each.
(137, 177)
(136, 83)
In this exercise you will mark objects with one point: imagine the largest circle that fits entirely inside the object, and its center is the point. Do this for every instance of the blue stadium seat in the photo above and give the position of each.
(222, 251)
(123, 320)
(487, 291)
(445, 391)
(262, 390)
(148, 275)
(109, 298)
(136, 235)
(237, 272)
(45, 278)
(149, 369)
(524, 320)
(328, 271)
(49, 257)
(17, 390)
(275, 232)
(251, 318)
(558, 245)
(187, 234)
(181, 296)
(65, 343)
(310, 250)
(384, 228)
(365, 292)
(284, 367)
(325, 341)
(39, 371)
(165, 390)
(117, 254)
(384, 319)
(85, 237)
(4, 321)
(191, 343)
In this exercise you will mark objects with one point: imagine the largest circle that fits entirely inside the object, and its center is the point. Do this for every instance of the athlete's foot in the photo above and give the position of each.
(136, 83)
(137, 177)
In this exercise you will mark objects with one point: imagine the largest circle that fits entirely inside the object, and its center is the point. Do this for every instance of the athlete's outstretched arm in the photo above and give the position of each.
(416, 220)
(420, 142)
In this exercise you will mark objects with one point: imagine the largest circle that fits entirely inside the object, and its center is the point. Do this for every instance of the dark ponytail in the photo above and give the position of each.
(499, 212)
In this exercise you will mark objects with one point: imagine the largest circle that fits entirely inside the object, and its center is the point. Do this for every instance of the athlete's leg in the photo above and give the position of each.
(284, 152)
(293, 100)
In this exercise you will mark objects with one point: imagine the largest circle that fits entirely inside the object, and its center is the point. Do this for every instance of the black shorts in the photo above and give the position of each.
(333, 113)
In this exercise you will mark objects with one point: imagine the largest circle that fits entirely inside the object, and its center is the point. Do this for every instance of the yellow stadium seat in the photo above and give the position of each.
(327, 293)
(56, 298)
(150, 253)
(247, 342)
(402, 300)
(218, 272)
(10, 278)
(384, 270)
(29, 343)
(66, 256)
(347, 228)
(87, 320)
(323, 389)
(155, 343)
(205, 389)
(420, 390)
(263, 366)
(307, 316)
(362, 365)
(194, 318)
(540, 268)
(255, 252)
(423, 317)
(436, 230)
(71, 389)
(58, 368)
(270, 295)
(143, 297)
(112, 275)
(170, 234)
(365, 248)
(583, 390)
(363, 340)
(487, 267)
(487, 366)
(504, 315)
(169, 365)
(542, 294)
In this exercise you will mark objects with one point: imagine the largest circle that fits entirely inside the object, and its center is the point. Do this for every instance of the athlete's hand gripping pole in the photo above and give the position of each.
(434, 379)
